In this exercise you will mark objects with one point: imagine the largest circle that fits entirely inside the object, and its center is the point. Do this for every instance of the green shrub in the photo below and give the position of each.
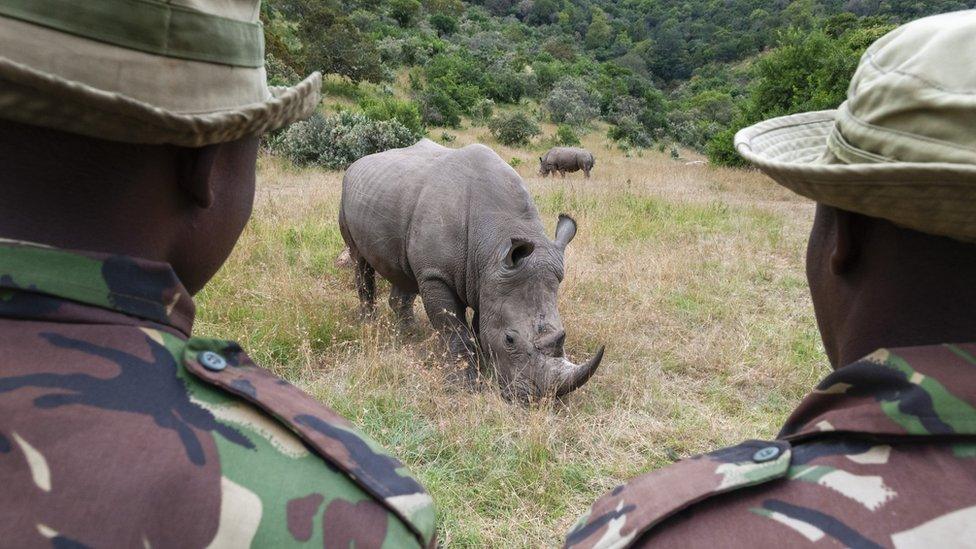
(279, 73)
(571, 102)
(629, 131)
(342, 87)
(391, 108)
(448, 137)
(482, 111)
(721, 149)
(509, 86)
(514, 129)
(460, 76)
(338, 140)
(438, 108)
(566, 136)
(404, 11)
(444, 24)
(515, 162)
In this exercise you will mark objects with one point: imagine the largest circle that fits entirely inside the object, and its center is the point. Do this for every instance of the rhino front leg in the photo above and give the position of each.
(366, 286)
(401, 301)
(447, 314)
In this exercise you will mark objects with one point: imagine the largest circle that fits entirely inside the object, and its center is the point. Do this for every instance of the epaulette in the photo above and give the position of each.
(630, 510)
(225, 365)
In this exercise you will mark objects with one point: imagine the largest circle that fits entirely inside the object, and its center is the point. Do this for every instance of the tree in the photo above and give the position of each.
(599, 33)
(542, 12)
(332, 44)
(571, 102)
(404, 11)
(514, 129)
(452, 8)
(445, 25)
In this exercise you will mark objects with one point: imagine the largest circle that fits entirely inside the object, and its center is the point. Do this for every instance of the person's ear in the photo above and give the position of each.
(196, 173)
(845, 248)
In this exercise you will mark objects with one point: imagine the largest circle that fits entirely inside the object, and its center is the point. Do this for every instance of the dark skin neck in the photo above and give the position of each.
(876, 285)
(182, 206)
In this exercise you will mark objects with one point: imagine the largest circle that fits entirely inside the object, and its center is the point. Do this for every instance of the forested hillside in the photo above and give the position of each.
(655, 71)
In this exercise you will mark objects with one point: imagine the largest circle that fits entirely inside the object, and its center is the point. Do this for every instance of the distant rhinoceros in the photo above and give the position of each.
(458, 227)
(566, 159)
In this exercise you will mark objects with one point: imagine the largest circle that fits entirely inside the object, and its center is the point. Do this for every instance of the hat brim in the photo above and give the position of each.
(937, 198)
(38, 98)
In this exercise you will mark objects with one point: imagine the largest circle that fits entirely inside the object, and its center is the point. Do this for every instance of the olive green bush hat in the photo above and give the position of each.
(903, 145)
(183, 72)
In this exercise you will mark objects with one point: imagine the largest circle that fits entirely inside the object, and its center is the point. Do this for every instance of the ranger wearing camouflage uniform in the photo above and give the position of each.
(883, 452)
(128, 140)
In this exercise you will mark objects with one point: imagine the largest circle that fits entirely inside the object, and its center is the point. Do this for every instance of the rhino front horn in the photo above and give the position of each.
(572, 376)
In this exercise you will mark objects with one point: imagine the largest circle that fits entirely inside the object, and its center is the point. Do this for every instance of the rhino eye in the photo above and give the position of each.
(509, 339)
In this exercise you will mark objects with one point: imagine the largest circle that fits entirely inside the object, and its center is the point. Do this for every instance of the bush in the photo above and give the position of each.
(444, 24)
(630, 132)
(628, 123)
(391, 108)
(482, 111)
(509, 86)
(438, 108)
(721, 150)
(571, 102)
(565, 136)
(341, 87)
(279, 73)
(338, 140)
(404, 11)
(514, 129)
(333, 45)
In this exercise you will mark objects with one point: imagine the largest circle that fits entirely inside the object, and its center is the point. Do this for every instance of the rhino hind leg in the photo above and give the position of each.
(366, 286)
(401, 301)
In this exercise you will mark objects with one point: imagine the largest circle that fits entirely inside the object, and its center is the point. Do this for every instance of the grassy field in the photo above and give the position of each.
(691, 275)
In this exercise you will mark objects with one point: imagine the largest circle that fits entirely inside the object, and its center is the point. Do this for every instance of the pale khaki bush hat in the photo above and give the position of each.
(903, 145)
(183, 72)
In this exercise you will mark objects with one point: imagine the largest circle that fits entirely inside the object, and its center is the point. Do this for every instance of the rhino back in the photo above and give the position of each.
(379, 195)
(472, 202)
(569, 158)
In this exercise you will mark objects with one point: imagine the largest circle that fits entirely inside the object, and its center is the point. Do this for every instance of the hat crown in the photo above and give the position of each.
(913, 96)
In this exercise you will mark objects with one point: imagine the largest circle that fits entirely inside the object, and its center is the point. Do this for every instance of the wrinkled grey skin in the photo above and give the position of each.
(458, 227)
(566, 159)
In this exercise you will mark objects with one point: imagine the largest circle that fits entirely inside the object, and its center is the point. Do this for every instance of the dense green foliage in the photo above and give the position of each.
(340, 139)
(655, 71)
(514, 128)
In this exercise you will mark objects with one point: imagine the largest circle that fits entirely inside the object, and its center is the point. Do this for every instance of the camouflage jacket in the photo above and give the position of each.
(117, 429)
(882, 453)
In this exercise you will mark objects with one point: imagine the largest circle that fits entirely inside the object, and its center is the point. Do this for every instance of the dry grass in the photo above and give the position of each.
(691, 275)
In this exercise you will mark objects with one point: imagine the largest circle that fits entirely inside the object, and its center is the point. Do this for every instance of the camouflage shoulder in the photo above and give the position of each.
(621, 516)
(371, 483)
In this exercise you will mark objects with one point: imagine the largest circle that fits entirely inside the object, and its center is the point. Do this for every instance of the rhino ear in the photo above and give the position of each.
(565, 230)
(518, 252)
